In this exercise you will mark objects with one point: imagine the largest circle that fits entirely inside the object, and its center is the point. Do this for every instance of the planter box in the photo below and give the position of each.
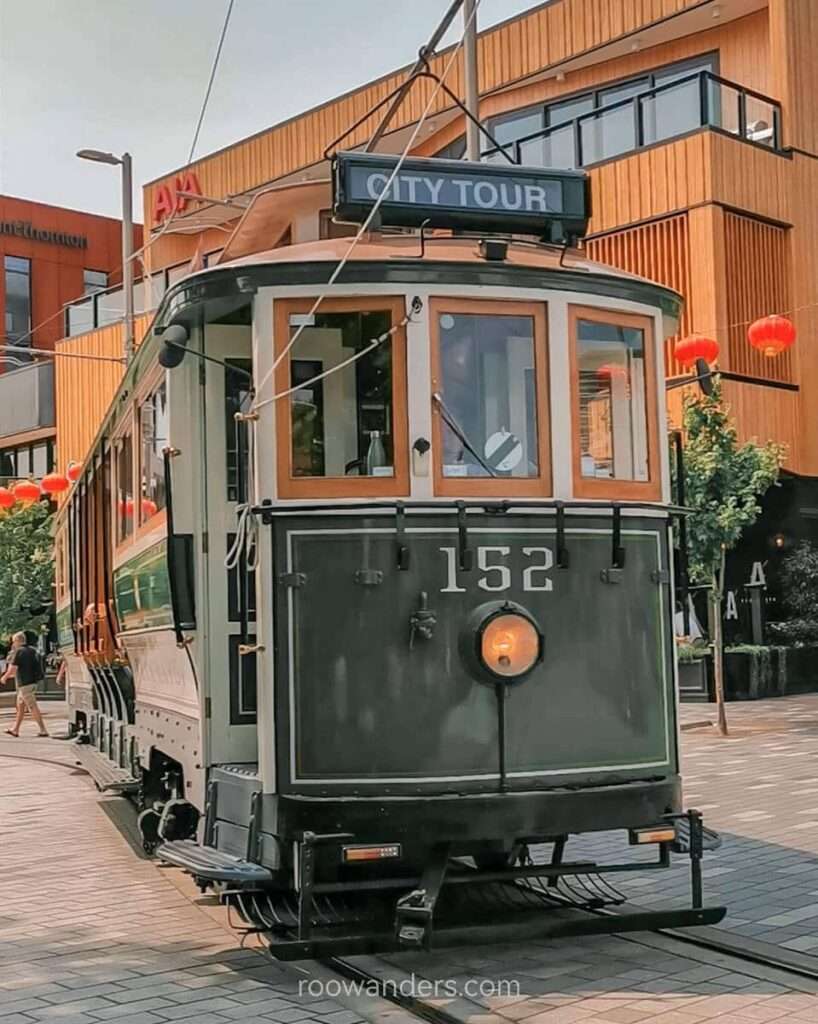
(693, 682)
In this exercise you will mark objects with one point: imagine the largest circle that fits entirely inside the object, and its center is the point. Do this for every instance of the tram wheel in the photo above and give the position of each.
(148, 825)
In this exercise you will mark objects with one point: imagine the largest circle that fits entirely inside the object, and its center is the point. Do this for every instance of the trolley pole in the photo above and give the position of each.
(471, 79)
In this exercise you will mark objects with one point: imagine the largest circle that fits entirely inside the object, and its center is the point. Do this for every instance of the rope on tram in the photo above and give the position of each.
(370, 217)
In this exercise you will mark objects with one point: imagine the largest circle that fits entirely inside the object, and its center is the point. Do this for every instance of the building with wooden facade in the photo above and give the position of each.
(50, 256)
(696, 121)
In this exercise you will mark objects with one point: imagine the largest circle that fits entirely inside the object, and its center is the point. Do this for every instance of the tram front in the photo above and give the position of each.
(464, 647)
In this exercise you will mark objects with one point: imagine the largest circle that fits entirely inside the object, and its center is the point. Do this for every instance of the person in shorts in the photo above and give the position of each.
(24, 669)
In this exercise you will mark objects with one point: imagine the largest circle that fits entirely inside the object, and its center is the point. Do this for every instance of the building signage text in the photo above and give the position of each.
(25, 229)
(167, 200)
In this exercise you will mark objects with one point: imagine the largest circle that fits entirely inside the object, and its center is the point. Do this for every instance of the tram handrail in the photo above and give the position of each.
(266, 508)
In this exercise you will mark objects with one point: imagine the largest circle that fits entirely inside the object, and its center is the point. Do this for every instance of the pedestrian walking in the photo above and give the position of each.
(25, 669)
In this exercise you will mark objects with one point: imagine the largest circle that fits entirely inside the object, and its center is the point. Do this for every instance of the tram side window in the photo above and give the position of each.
(342, 426)
(487, 383)
(124, 488)
(153, 425)
(613, 413)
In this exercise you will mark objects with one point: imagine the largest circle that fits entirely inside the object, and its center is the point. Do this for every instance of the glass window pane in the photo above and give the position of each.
(342, 425)
(39, 460)
(153, 417)
(622, 92)
(607, 134)
(509, 129)
(488, 385)
(236, 399)
(612, 401)
(567, 110)
(80, 317)
(94, 281)
(110, 307)
(124, 489)
(683, 70)
(671, 112)
(23, 462)
(554, 150)
(723, 103)
(18, 299)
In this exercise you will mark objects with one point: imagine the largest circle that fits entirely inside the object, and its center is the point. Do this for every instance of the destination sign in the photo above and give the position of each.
(552, 204)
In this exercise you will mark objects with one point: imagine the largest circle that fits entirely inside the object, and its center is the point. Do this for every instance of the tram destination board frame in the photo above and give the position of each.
(552, 204)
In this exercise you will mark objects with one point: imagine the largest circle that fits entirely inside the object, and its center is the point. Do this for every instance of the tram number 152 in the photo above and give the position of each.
(496, 574)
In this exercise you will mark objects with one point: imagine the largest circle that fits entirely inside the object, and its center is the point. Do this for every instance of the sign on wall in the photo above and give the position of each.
(167, 200)
(25, 229)
(552, 204)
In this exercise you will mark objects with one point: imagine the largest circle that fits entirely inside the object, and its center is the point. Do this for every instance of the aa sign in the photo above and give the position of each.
(167, 200)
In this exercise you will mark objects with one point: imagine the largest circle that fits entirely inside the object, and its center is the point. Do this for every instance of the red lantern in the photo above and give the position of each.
(73, 472)
(7, 499)
(148, 508)
(772, 335)
(26, 491)
(55, 483)
(696, 346)
(610, 372)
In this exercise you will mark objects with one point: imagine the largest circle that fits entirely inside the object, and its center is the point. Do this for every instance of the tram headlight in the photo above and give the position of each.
(501, 642)
(510, 645)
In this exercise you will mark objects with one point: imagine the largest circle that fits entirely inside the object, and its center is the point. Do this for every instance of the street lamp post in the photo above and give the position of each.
(98, 156)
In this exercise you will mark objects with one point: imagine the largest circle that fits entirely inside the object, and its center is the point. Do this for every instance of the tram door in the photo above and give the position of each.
(231, 593)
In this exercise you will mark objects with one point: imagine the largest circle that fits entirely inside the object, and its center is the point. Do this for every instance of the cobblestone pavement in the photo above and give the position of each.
(759, 789)
(91, 931)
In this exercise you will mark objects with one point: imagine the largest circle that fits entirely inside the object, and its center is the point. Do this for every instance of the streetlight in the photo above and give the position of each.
(124, 161)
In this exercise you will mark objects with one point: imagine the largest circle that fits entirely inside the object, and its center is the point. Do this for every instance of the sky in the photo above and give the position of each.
(131, 75)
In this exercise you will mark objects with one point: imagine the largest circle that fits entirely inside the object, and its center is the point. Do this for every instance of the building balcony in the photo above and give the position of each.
(27, 399)
(702, 100)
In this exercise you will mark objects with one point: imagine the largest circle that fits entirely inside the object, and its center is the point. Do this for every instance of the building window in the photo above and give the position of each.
(623, 119)
(346, 433)
(614, 404)
(153, 427)
(456, 150)
(124, 488)
(18, 305)
(25, 460)
(236, 399)
(491, 418)
(94, 281)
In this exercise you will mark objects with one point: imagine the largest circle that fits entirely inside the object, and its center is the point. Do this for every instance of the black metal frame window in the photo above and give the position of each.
(18, 303)
(94, 281)
(592, 127)
(25, 460)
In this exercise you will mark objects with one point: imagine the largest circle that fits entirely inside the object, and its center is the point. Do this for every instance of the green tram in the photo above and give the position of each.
(366, 588)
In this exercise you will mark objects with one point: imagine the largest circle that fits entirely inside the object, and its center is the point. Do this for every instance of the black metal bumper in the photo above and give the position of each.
(475, 817)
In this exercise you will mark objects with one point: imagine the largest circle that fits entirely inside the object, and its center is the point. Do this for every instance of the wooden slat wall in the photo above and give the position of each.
(547, 35)
(762, 415)
(793, 48)
(659, 251)
(84, 388)
(757, 254)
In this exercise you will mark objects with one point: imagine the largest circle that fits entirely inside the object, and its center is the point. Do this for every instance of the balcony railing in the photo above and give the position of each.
(108, 305)
(27, 399)
(685, 105)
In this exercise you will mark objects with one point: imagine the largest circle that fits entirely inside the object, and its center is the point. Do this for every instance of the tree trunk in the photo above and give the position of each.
(718, 644)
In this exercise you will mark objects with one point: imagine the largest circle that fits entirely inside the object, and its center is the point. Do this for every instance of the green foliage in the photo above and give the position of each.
(799, 590)
(26, 566)
(723, 482)
(688, 653)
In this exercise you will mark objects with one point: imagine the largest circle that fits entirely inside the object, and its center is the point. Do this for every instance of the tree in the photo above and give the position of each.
(723, 482)
(26, 567)
(799, 587)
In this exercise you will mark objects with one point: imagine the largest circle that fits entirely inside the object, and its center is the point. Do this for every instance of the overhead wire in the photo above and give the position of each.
(259, 404)
(213, 70)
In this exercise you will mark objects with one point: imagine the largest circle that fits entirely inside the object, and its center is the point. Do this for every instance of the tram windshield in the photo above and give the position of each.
(342, 425)
(613, 419)
(488, 385)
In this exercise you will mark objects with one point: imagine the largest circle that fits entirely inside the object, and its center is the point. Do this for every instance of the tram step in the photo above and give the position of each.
(211, 864)
(108, 777)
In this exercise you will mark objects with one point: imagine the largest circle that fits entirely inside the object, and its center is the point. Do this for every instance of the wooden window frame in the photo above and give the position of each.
(395, 486)
(159, 518)
(128, 423)
(589, 487)
(528, 487)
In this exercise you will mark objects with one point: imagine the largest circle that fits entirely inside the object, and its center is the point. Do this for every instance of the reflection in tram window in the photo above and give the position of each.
(124, 488)
(488, 386)
(153, 420)
(342, 425)
(612, 410)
